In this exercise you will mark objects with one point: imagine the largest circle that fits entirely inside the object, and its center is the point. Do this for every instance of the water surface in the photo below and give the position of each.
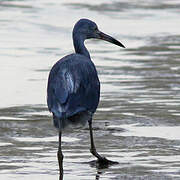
(138, 120)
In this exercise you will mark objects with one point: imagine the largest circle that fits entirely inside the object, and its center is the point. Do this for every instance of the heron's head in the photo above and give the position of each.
(88, 29)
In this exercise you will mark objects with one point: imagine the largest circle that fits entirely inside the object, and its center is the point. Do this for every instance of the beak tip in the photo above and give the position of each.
(122, 45)
(101, 35)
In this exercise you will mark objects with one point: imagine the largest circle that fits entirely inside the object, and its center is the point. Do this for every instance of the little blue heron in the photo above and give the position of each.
(73, 86)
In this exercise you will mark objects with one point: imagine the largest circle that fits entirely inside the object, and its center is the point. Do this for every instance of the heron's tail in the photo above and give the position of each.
(80, 118)
(57, 122)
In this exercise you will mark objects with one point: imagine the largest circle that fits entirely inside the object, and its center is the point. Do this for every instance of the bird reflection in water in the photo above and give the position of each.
(74, 89)
(100, 168)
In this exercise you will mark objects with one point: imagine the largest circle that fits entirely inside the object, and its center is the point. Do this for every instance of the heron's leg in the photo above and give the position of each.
(93, 148)
(60, 158)
(101, 160)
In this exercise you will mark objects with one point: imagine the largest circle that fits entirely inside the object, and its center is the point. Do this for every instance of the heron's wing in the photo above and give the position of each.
(64, 85)
(60, 85)
(73, 88)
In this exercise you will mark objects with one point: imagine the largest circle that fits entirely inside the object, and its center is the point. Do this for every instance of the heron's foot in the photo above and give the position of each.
(102, 162)
(105, 161)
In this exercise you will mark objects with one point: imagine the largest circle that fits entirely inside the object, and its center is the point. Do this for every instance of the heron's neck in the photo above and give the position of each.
(79, 45)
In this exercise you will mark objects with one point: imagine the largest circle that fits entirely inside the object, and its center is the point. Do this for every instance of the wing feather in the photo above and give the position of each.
(64, 85)
(73, 86)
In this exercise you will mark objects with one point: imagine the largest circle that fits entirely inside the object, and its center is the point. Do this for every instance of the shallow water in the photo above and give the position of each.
(138, 120)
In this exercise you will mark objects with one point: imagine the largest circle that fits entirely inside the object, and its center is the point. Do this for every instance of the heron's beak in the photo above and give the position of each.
(105, 37)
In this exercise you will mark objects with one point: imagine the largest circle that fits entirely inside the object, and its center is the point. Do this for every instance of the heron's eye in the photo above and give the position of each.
(95, 29)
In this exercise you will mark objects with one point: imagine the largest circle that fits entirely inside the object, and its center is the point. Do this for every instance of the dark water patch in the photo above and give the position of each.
(134, 9)
(17, 4)
(121, 6)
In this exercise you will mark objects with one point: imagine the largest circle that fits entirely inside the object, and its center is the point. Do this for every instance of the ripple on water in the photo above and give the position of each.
(5, 144)
(46, 139)
(11, 118)
(171, 132)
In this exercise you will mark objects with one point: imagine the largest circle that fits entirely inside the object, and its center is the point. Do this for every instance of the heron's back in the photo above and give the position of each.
(73, 90)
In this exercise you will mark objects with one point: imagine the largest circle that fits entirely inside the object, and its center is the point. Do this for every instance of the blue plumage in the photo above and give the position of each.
(73, 85)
